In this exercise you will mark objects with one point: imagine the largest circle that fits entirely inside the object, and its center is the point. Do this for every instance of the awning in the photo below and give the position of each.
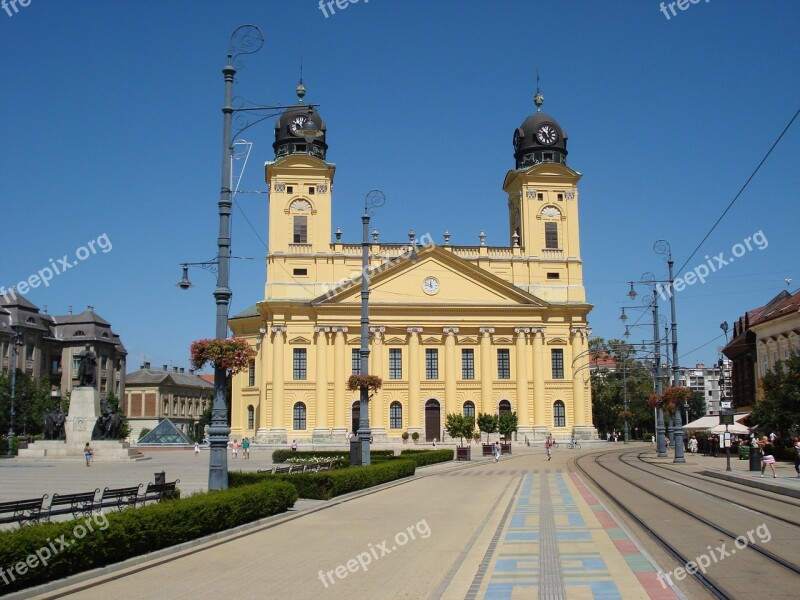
(708, 422)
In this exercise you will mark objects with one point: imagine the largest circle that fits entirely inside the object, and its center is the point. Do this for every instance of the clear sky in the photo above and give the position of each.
(111, 125)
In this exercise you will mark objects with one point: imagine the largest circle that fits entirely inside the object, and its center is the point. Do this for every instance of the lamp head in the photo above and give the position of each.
(184, 283)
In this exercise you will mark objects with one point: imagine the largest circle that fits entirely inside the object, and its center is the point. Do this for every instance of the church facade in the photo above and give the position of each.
(453, 329)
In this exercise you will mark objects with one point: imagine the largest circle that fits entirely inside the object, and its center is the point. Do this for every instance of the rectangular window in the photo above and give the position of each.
(395, 363)
(251, 374)
(551, 235)
(503, 363)
(311, 190)
(300, 235)
(560, 197)
(431, 363)
(557, 363)
(299, 364)
(355, 361)
(299, 271)
(29, 350)
(468, 364)
(396, 416)
(76, 364)
(540, 197)
(553, 276)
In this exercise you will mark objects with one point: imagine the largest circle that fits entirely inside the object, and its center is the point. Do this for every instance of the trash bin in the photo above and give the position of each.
(755, 459)
(160, 478)
(355, 452)
(744, 452)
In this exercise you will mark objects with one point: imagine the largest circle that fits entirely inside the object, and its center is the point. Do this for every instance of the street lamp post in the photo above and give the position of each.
(373, 200)
(15, 343)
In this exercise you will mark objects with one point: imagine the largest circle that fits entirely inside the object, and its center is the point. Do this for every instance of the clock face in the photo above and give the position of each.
(296, 124)
(430, 285)
(546, 134)
(517, 139)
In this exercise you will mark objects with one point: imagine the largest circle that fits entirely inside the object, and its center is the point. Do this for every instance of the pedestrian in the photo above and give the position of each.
(772, 438)
(608, 436)
(693, 445)
(294, 445)
(797, 455)
(652, 441)
(666, 442)
(196, 448)
(246, 448)
(434, 443)
(496, 451)
(88, 454)
(235, 448)
(548, 444)
(767, 456)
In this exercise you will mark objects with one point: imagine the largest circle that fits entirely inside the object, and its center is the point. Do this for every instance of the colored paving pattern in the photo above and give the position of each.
(559, 542)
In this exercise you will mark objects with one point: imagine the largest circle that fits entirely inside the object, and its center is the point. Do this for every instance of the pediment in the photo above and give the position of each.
(467, 341)
(395, 340)
(458, 282)
(431, 340)
(501, 340)
(299, 340)
(556, 342)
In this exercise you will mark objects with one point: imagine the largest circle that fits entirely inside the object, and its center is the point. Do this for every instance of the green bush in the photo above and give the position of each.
(114, 537)
(428, 457)
(325, 485)
(279, 456)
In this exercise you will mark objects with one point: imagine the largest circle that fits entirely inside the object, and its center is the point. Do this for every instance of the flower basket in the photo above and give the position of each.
(371, 382)
(234, 355)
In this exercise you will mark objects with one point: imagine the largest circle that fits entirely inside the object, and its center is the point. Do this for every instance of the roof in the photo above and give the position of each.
(710, 421)
(160, 377)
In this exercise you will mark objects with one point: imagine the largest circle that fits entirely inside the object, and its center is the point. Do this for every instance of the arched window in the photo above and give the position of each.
(166, 408)
(299, 416)
(396, 415)
(504, 407)
(469, 409)
(251, 414)
(559, 414)
(550, 215)
(79, 333)
(300, 221)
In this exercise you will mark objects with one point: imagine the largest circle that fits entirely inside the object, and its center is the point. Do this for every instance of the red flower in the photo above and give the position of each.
(234, 354)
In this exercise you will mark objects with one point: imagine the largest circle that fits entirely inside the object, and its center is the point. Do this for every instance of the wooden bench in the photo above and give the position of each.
(120, 498)
(156, 492)
(278, 469)
(75, 504)
(22, 511)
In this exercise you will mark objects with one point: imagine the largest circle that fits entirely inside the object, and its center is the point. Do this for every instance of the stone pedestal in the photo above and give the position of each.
(584, 432)
(84, 408)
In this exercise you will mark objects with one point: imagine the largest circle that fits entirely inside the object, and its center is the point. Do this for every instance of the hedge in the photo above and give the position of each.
(279, 456)
(428, 457)
(113, 537)
(325, 485)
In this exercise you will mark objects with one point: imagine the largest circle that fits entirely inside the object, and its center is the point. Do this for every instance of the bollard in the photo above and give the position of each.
(755, 459)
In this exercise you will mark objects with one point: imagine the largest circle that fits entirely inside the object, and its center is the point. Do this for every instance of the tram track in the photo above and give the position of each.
(652, 504)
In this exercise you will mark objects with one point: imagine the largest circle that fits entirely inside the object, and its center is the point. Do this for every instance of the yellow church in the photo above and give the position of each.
(453, 329)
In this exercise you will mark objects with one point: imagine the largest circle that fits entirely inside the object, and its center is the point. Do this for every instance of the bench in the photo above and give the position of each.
(22, 511)
(120, 497)
(278, 469)
(76, 504)
(156, 492)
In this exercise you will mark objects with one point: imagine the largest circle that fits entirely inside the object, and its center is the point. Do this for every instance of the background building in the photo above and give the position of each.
(155, 394)
(51, 345)
(706, 382)
(464, 329)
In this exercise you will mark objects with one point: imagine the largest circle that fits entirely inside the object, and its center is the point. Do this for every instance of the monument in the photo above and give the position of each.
(85, 422)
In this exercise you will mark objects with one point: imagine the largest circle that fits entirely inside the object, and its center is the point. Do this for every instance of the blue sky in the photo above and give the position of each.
(112, 125)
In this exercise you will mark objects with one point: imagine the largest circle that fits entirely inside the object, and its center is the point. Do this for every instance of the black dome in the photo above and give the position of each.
(287, 142)
(539, 139)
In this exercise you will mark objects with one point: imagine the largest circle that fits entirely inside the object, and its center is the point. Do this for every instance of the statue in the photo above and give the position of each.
(54, 425)
(87, 368)
(108, 423)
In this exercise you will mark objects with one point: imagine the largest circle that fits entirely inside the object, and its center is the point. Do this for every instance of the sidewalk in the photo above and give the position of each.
(509, 530)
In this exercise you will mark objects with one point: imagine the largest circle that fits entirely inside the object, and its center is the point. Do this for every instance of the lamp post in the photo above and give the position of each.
(373, 200)
(15, 343)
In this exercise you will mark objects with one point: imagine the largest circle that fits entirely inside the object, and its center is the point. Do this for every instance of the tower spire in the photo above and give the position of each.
(301, 89)
(538, 99)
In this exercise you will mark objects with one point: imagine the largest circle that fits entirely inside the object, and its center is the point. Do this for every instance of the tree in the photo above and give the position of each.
(459, 426)
(697, 406)
(507, 424)
(487, 423)
(780, 408)
(32, 400)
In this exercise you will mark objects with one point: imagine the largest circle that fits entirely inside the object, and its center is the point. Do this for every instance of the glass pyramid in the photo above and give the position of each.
(164, 434)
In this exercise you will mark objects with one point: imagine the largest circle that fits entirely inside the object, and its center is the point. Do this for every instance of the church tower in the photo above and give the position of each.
(543, 208)
(299, 181)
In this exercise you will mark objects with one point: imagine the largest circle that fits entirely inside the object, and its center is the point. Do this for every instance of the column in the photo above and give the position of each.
(486, 405)
(540, 427)
(277, 433)
(450, 370)
(524, 429)
(340, 427)
(582, 428)
(261, 381)
(377, 410)
(321, 433)
(414, 407)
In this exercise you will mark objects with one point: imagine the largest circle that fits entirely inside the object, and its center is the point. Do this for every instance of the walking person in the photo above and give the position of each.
(88, 454)
(767, 457)
(797, 455)
(196, 448)
(496, 451)
(548, 444)
(693, 445)
(245, 448)
(235, 448)
(294, 445)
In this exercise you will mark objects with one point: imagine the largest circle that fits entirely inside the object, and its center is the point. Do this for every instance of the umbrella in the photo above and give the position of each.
(736, 428)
